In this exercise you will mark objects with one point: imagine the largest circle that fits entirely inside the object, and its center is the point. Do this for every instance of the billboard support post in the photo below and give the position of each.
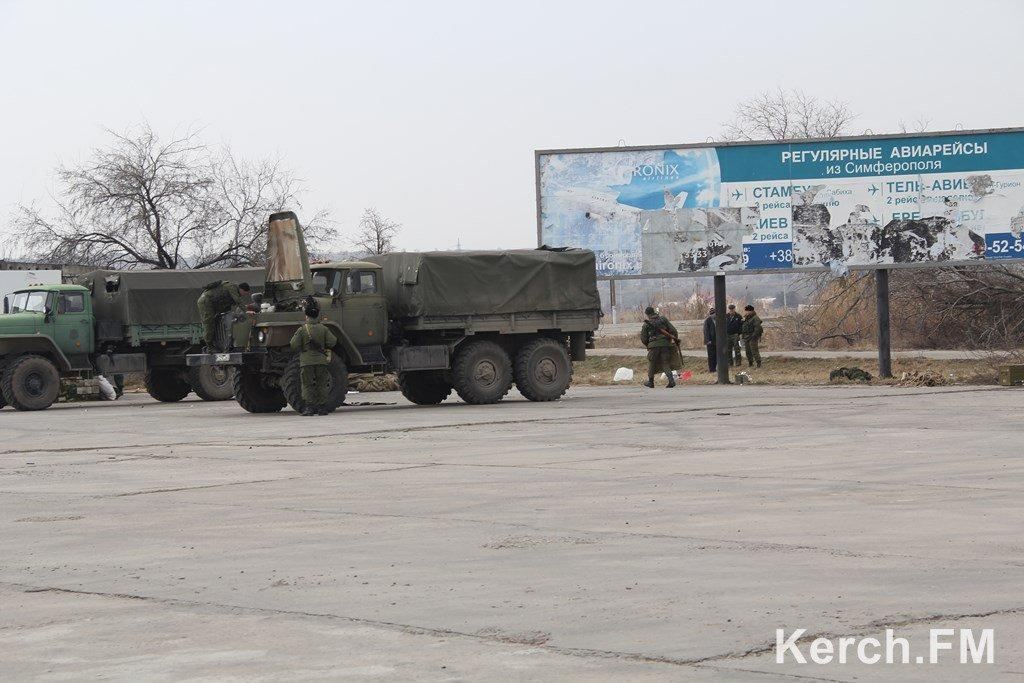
(721, 330)
(882, 309)
(611, 298)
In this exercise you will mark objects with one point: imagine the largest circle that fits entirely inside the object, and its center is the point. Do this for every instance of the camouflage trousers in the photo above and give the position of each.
(663, 359)
(733, 350)
(753, 353)
(314, 384)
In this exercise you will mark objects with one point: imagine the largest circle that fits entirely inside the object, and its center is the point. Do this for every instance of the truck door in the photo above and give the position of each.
(72, 326)
(363, 313)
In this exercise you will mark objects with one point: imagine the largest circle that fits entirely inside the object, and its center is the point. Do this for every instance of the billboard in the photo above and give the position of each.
(941, 198)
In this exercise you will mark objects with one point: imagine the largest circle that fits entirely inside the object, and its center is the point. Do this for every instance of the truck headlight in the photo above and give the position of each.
(261, 336)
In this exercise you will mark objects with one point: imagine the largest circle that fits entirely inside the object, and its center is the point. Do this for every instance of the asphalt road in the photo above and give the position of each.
(619, 533)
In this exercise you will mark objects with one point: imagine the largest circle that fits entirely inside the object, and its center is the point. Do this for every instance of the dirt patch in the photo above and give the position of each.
(522, 542)
(519, 638)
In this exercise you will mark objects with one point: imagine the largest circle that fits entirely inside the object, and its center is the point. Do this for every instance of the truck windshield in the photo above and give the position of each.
(28, 302)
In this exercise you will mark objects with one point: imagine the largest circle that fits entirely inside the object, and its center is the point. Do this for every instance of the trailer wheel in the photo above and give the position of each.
(424, 387)
(543, 370)
(482, 372)
(167, 385)
(255, 394)
(337, 383)
(30, 383)
(212, 382)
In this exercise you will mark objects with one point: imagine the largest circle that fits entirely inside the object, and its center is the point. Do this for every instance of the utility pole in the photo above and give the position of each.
(721, 336)
(882, 309)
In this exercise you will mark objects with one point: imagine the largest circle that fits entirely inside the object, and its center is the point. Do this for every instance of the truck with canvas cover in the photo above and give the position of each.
(476, 322)
(111, 323)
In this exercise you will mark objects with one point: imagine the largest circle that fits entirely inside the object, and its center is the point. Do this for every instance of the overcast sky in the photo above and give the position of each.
(430, 111)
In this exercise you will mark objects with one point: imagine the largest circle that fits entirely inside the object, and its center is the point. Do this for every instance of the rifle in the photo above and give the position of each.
(679, 347)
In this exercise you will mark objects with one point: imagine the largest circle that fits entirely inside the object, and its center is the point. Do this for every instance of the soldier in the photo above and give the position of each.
(661, 339)
(753, 330)
(734, 328)
(217, 298)
(710, 341)
(313, 341)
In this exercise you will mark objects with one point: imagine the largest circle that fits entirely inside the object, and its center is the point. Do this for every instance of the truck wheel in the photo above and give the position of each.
(254, 394)
(3, 401)
(30, 383)
(482, 372)
(424, 387)
(337, 383)
(166, 385)
(543, 370)
(212, 382)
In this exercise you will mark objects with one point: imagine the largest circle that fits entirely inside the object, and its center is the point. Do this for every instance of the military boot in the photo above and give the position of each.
(308, 411)
(671, 380)
(649, 383)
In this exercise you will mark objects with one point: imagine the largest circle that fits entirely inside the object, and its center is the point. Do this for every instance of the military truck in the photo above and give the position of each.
(111, 323)
(476, 322)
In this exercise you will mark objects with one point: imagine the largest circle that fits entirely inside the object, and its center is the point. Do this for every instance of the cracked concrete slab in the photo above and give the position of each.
(618, 533)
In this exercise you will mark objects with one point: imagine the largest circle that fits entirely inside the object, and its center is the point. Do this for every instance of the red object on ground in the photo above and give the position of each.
(686, 375)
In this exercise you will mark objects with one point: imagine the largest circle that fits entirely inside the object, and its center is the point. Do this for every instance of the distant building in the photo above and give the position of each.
(69, 271)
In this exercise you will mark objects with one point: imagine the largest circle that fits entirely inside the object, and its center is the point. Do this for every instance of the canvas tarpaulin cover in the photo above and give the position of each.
(441, 283)
(158, 297)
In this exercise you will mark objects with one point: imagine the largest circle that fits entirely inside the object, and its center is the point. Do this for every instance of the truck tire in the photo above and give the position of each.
(543, 370)
(3, 401)
(254, 394)
(30, 383)
(424, 387)
(482, 372)
(167, 385)
(212, 382)
(337, 384)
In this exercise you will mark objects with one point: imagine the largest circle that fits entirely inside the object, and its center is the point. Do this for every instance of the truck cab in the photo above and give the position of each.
(45, 331)
(353, 290)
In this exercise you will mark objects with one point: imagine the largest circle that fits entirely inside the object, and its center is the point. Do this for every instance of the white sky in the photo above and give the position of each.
(430, 111)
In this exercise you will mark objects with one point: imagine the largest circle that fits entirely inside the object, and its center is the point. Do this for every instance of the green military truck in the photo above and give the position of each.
(476, 322)
(111, 323)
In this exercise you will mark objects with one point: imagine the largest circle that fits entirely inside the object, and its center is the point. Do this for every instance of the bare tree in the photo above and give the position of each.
(788, 114)
(145, 202)
(376, 233)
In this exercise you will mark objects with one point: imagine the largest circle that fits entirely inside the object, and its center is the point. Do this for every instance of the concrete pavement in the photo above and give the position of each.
(621, 532)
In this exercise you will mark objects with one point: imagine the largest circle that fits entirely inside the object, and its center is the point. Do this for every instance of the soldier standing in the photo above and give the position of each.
(660, 338)
(217, 298)
(734, 328)
(753, 330)
(313, 341)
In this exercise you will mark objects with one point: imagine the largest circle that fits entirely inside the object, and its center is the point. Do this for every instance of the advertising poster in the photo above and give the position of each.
(942, 198)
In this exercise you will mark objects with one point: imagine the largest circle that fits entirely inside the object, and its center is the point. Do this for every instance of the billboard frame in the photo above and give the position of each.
(538, 153)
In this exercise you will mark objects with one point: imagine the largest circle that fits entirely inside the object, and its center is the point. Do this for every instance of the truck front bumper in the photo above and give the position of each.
(252, 358)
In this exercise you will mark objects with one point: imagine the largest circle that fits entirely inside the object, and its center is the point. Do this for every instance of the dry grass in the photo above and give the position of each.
(598, 370)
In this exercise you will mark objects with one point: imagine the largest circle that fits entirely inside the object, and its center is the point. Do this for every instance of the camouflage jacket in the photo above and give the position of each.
(313, 342)
(220, 297)
(752, 327)
(653, 339)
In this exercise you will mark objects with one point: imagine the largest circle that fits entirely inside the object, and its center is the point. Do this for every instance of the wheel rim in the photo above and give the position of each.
(485, 373)
(546, 371)
(34, 384)
(220, 376)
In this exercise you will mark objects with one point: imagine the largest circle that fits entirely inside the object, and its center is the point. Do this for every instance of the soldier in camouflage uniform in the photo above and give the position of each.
(662, 353)
(217, 298)
(753, 330)
(313, 342)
